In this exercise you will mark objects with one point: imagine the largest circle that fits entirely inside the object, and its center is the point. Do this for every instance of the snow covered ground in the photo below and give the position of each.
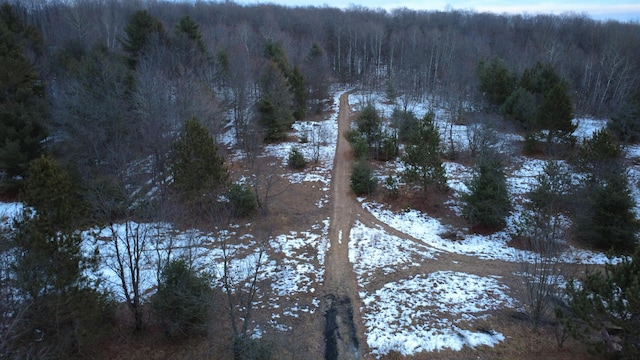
(424, 312)
(427, 312)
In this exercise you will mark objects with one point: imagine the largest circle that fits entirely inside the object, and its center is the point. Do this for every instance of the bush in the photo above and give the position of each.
(362, 180)
(296, 159)
(241, 200)
(183, 300)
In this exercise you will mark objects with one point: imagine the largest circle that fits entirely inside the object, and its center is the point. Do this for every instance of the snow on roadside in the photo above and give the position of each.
(429, 313)
(486, 247)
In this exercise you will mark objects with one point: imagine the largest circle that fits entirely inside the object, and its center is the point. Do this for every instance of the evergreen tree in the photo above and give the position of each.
(540, 79)
(183, 300)
(521, 106)
(299, 93)
(188, 27)
(555, 114)
(405, 122)
(274, 52)
(242, 200)
(607, 220)
(362, 180)
(599, 153)
(63, 308)
(422, 157)
(496, 81)
(604, 300)
(275, 106)
(370, 124)
(196, 167)
(625, 122)
(487, 204)
(296, 159)
(140, 31)
(316, 73)
(22, 106)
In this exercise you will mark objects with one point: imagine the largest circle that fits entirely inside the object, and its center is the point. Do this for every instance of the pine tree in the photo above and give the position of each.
(370, 124)
(362, 180)
(299, 93)
(422, 157)
(607, 299)
(187, 26)
(496, 81)
(196, 167)
(140, 31)
(183, 300)
(51, 267)
(607, 220)
(625, 122)
(487, 204)
(22, 106)
(275, 106)
(555, 114)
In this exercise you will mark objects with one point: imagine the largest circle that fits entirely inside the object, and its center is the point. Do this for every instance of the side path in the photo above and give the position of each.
(343, 333)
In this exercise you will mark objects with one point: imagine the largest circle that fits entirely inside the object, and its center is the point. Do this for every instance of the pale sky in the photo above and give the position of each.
(622, 10)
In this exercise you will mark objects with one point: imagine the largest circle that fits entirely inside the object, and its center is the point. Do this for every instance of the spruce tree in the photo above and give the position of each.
(276, 103)
(487, 204)
(496, 81)
(604, 300)
(362, 180)
(188, 27)
(555, 114)
(140, 31)
(370, 124)
(196, 167)
(300, 95)
(183, 301)
(607, 220)
(22, 106)
(51, 268)
(422, 157)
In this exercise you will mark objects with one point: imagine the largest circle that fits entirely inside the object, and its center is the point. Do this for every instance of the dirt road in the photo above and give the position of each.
(343, 328)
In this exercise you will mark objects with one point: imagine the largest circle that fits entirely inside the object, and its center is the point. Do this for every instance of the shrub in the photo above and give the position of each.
(296, 159)
(241, 200)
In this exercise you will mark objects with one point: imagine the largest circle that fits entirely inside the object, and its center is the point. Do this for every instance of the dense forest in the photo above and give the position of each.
(114, 111)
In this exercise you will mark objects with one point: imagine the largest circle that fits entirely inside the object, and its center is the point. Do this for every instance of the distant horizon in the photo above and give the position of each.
(622, 10)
